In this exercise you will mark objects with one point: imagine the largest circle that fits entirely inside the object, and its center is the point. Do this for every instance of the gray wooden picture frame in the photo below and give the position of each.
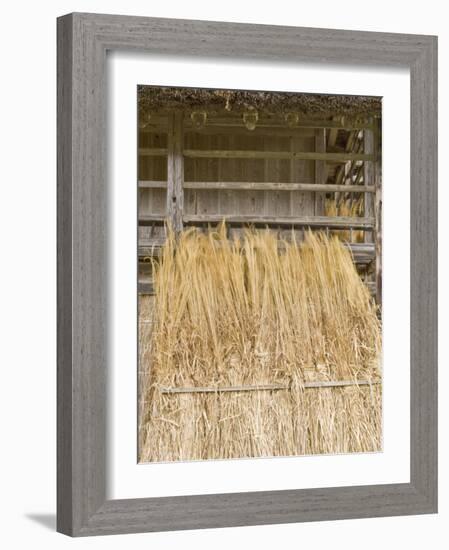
(83, 40)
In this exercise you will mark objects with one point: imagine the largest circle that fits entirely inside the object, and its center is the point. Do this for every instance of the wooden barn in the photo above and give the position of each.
(258, 343)
(278, 160)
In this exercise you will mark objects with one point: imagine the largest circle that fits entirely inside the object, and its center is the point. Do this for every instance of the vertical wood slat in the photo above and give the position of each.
(175, 170)
(292, 175)
(378, 208)
(190, 174)
(302, 202)
(368, 178)
(227, 169)
(320, 170)
(373, 204)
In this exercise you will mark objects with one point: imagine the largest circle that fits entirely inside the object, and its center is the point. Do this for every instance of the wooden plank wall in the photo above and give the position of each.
(152, 201)
(227, 202)
(157, 161)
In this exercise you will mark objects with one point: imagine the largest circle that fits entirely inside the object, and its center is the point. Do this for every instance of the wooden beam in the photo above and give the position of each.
(153, 151)
(362, 248)
(155, 128)
(378, 210)
(258, 131)
(154, 241)
(263, 186)
(175, 170)
(152, 184)
(150, 219)
(355, 248)
(146, 253)
(237, 122)
(146, 288)
(160, 124)
(330, 157)
(368, 177)
(298, 221)
(275, 186)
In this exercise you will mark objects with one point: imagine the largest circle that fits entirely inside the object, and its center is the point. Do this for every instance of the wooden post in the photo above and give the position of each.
(175, 170)
(320, 170)
(368, 178)
(378, 208)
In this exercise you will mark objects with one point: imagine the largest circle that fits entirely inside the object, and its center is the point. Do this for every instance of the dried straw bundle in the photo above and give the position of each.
(243, 313)
(350, 208)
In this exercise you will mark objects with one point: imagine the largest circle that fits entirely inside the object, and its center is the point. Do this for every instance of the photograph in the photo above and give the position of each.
(220, 283)
(259, 274)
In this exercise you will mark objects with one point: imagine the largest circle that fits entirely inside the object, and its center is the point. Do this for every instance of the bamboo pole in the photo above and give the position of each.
(271, 387)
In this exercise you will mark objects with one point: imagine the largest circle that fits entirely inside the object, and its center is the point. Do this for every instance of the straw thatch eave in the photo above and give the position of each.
(160, 99)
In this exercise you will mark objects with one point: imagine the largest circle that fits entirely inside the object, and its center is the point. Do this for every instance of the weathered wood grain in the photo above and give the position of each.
(238, 154)
(377, 207)
(153, 151)
(269, 186)
(333, 222)
(175, 171)
(321, 173)
(368, 177)
(270, 127)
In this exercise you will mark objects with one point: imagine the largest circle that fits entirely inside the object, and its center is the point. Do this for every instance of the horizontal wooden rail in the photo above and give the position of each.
(366, 248)
(239, 154)
(146, 255)
(267, 123)
(263, 186)
(362, 253)
(271, 387)
(275, 186)
(238, 130)
(145, 288)
(289, 221)
(151, 219)
(289, 155)
(362, 248)
(332, 222)
(160, 123)
(153, 151)
(152, 184)
(160, 241)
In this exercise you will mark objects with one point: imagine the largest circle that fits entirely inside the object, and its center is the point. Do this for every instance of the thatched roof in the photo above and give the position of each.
(155, 98)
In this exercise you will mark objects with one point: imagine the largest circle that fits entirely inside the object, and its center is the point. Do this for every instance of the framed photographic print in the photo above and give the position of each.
(260, 241)
(247, 251)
